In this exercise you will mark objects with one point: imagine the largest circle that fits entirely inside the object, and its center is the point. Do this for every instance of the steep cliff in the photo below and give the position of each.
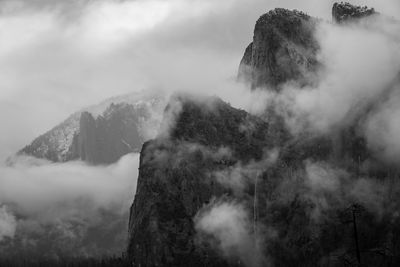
(110, 136)
(312, 222)
(308, 200)
(102, 133)
(176, 180)
(283, 49)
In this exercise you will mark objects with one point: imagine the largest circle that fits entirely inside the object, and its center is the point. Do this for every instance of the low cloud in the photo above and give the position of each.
(359, 65)
(7, 223)
(382, 128)
(239, 176)
(331, 188)
(228, 228)
(69, 209)
(358, 85)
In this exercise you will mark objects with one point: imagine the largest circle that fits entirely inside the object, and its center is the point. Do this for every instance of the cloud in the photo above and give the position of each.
(357, 86)
(7, 223)
(227, 226)
(104, 49)
(326, 187)
(60, 56)
(68, 209)
(34, 186)
(360, 64)
(382, 129)
(239, 176)
(330, 187)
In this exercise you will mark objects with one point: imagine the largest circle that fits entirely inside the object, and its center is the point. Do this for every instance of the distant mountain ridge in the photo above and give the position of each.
(118, 125)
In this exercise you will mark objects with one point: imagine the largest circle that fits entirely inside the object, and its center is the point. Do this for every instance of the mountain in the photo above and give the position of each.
(108, 137)
(225, 188)
(344, 12)
(180, 177)
(174, 181)
(102, 133)
(283, 49)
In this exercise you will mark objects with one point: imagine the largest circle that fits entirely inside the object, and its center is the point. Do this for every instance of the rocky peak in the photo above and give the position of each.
(284, 20)
(283, 49)
(342, 12)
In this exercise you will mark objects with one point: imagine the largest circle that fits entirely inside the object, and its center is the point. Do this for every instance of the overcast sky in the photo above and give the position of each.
(57, 56)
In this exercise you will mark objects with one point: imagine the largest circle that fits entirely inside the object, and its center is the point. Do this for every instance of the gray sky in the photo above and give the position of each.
(57, 56)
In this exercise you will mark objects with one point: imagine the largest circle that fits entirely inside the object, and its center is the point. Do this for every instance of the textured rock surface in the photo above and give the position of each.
(344, 12)
(175, 181)
(311, 198)
(54, 144)
(283, 49)
(101, 133)
(110, 136)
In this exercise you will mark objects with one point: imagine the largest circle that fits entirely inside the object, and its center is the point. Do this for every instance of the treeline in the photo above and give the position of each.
(77, 262)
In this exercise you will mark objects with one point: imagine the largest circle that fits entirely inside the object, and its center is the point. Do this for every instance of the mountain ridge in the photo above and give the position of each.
(60, 143)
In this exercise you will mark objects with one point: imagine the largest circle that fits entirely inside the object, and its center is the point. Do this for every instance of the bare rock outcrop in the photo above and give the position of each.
(283, 49)
(345, 12)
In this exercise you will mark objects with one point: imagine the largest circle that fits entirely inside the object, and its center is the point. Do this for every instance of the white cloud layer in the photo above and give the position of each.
(53, 205)
(7, 223)
(228, 228)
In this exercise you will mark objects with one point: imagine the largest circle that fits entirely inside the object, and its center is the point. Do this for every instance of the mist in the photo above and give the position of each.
(76, 53)
(228, 227)
(54, 210)
(357, 85)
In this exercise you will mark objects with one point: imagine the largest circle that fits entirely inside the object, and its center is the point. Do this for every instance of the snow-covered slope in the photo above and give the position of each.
(146, 107)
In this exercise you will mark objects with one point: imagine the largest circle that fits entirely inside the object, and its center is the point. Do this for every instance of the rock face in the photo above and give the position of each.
(175, 181)
(319, 202)
(105, 139)
(345, 12)
(101, 134)
(283, 49)
(178, 178)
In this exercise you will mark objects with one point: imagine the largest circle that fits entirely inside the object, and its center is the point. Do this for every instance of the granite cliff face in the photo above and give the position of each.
(110, 136)
(176, 180)
(179, 177)
(283, 50)
(312, 200)
(101, 134)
